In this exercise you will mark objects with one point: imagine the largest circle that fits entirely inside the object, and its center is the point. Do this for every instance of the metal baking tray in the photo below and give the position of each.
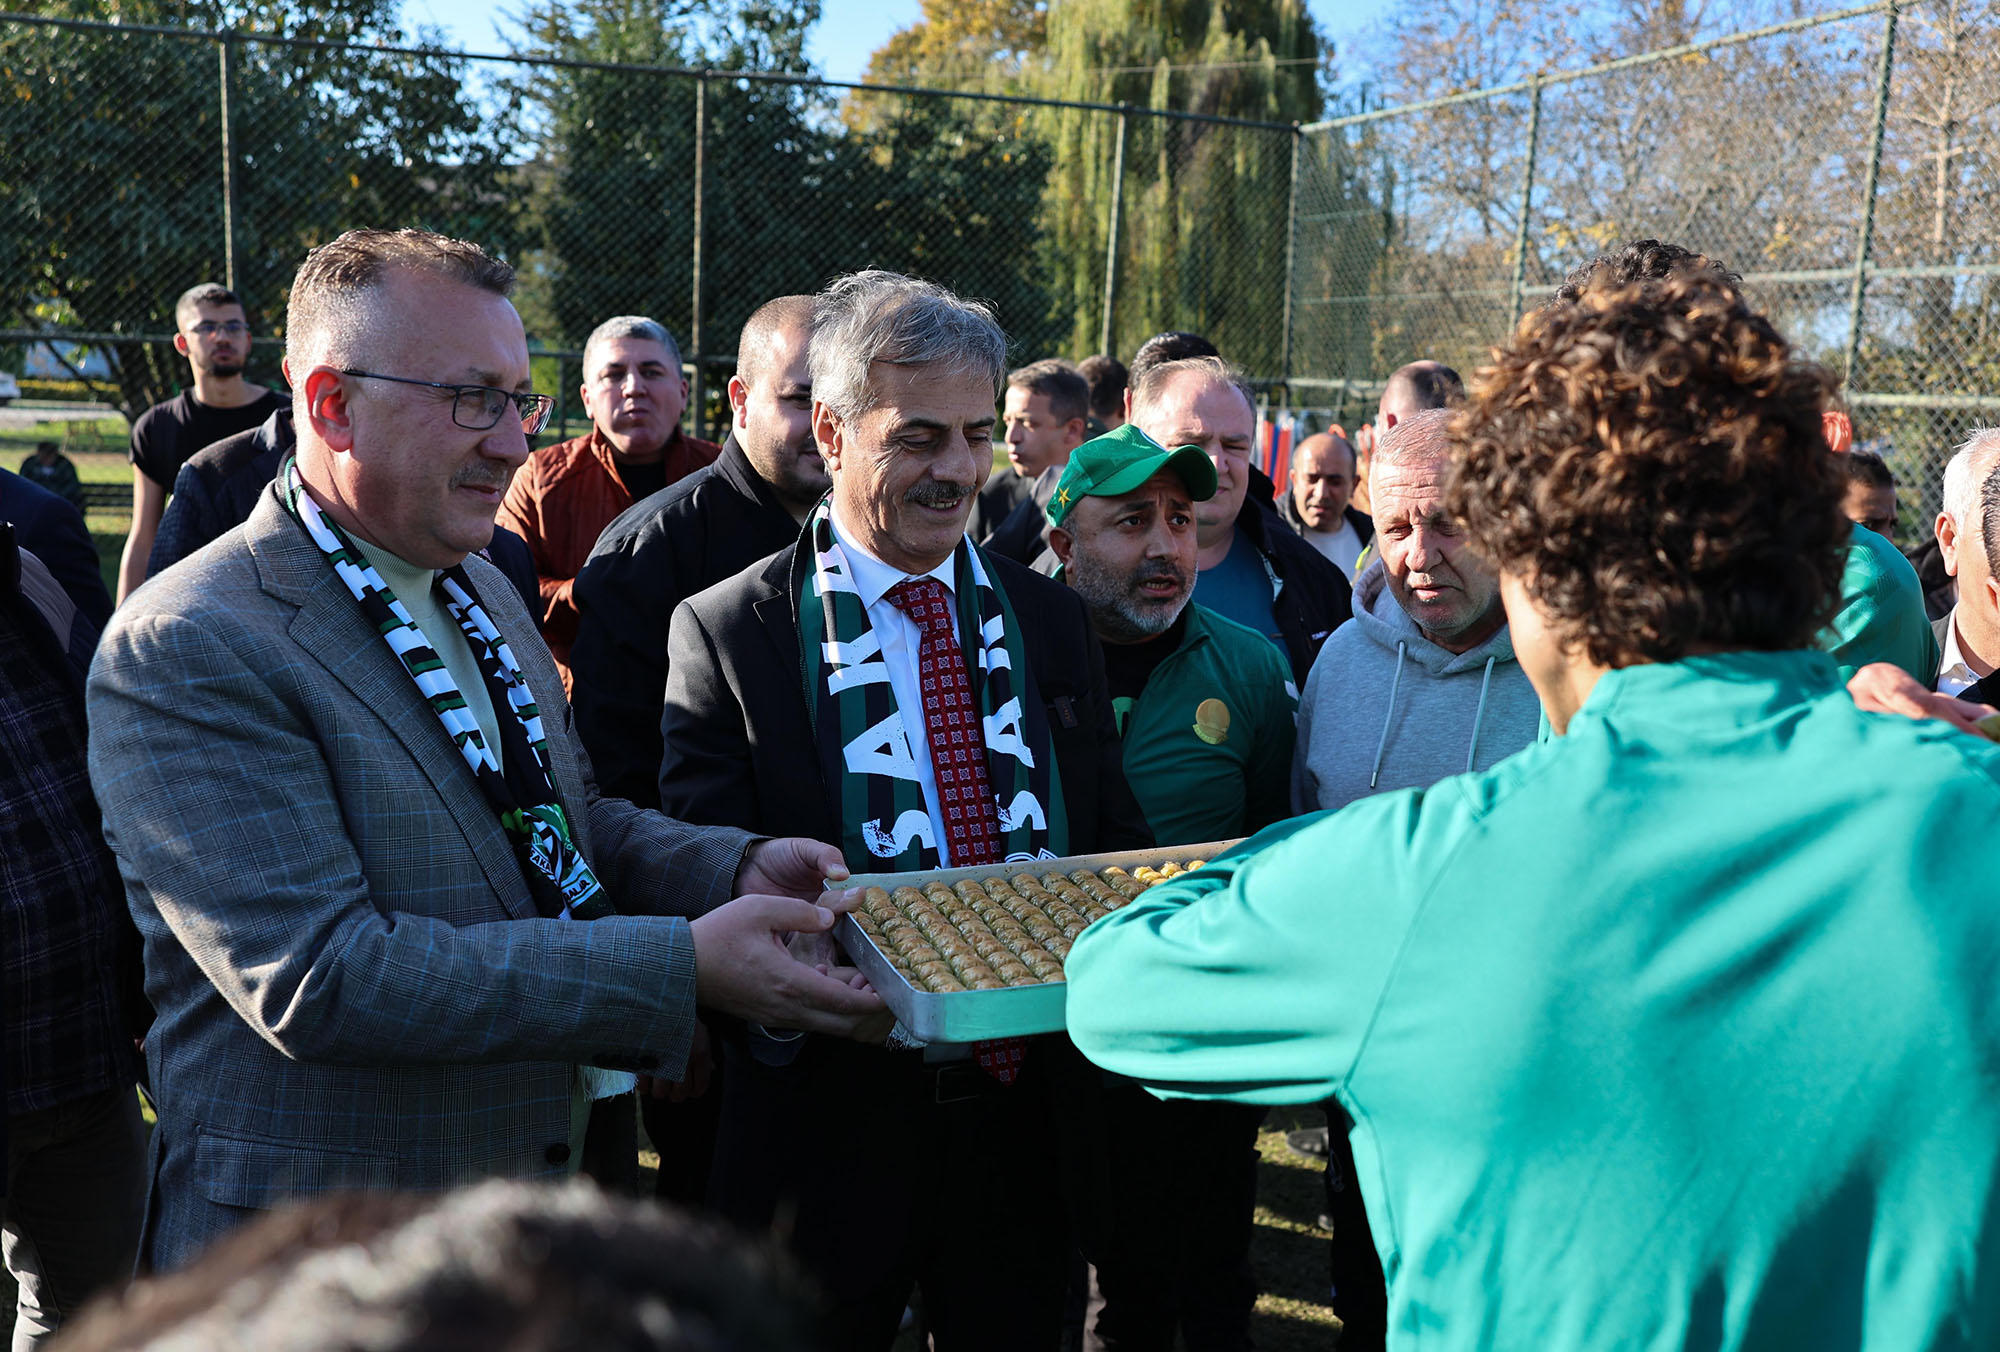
(974, 1016)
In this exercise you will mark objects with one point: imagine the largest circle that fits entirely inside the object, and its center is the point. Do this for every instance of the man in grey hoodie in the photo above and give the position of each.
(1422, 682)
(1420, 685)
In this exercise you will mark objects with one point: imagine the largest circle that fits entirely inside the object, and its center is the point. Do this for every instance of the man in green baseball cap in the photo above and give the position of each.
(1205, 711)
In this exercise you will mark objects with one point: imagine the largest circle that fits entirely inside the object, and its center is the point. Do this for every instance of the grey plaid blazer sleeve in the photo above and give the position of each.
(276, 802)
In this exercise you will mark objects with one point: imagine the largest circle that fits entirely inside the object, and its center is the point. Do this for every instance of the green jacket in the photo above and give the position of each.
(1881, 616)
(1197, 783)
(1681, 1030)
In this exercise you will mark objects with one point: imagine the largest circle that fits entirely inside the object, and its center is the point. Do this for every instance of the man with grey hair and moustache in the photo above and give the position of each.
(394, 935)
(885, 685)
(568, 493)
(1205, 711)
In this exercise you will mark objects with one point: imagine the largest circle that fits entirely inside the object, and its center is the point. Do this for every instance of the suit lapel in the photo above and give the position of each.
(331, 628)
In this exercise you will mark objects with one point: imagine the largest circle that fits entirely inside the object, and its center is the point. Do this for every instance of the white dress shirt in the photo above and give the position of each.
(1955, 675)
(902, 644)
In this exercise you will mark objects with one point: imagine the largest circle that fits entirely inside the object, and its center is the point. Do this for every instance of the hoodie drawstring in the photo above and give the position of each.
(1472, 752)
(1389, 717)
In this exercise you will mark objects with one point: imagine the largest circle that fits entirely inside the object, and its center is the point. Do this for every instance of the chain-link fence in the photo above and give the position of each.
(1842, 163)
(147, 159)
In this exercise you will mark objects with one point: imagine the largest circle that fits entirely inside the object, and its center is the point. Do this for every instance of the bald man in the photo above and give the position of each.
(1319, 507)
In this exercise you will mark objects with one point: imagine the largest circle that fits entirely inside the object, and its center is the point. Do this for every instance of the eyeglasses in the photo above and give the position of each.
(208, 328)
(478, 407)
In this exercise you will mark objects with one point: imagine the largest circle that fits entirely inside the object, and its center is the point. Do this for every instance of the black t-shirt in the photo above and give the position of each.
(167, 434)
(1128, 666)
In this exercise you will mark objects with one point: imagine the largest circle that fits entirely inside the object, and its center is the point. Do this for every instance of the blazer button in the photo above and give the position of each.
(557, 1153)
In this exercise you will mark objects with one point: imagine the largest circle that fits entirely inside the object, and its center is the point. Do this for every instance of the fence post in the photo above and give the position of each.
(1111, 237)
(1527, 198)
(1864, 242)
(222, 46)
(1291, 261)
(697, 396)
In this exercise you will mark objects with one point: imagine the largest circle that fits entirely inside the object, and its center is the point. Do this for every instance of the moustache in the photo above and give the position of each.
(479, 476)
(1163, 573)
(931, 493)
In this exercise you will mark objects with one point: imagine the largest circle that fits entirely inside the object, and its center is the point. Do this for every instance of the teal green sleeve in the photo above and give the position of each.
(1268, 775)
(1255, 977)
(1881, 616)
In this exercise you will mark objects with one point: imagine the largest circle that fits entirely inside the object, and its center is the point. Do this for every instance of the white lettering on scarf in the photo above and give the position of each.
(883, 750)
(913, 825)
(1025, 809)
(857, 663)
(830, 573)
(993, 640)
(1004, 735)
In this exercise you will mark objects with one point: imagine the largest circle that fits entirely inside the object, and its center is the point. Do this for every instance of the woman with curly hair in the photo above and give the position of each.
(1680, 1029)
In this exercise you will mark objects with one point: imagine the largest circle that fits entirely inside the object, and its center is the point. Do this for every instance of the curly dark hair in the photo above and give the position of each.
(1641, 260)
(1649, 462)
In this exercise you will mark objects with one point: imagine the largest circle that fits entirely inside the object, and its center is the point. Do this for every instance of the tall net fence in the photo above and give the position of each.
(152, 159)
(1843, 164)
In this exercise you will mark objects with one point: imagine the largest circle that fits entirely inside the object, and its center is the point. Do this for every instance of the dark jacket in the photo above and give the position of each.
(681, 540)
(1312, 597)
(53, 531)
(1940, 587)
(738, 737)
(221, 482)
(1024, 533)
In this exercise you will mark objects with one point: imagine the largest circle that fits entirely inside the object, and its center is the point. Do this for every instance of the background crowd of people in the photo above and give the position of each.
(409, 849)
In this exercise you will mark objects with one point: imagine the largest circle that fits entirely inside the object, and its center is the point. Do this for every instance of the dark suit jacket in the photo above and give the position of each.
(681, 540)
(738, 738)
(1986, 691)
(53, 531)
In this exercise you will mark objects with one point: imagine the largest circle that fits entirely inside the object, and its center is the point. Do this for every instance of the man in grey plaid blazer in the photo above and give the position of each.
(354, 982)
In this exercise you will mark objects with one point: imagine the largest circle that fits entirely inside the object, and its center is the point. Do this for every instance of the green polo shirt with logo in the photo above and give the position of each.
(1208, 742)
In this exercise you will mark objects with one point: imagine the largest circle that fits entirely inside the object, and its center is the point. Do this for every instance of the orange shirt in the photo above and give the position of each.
(561, 500)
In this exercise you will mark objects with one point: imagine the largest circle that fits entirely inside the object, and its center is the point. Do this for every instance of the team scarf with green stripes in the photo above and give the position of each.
(522, 794)
(869, 748)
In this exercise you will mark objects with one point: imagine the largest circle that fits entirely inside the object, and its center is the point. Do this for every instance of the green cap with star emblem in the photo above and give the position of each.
(1123, 460)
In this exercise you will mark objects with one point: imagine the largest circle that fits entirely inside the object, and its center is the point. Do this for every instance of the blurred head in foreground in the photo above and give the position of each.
(503, 1265)
(1646, 469)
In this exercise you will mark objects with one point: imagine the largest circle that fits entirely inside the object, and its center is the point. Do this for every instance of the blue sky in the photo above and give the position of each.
(848, 30)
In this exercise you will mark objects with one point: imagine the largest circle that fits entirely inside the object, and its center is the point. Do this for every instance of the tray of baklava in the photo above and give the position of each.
(966, 954)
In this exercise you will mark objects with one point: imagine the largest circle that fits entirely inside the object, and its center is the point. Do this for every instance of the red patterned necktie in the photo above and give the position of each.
(957, 740)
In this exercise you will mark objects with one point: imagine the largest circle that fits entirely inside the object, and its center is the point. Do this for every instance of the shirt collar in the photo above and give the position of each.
(872, 577)
(1952, 666)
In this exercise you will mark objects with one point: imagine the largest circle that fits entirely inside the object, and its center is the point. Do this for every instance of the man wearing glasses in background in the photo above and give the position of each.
(394, 937)
(214, 335)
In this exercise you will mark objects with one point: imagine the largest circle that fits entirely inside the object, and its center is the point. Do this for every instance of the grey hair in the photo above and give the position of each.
(876, 316)
(1418, 436)
(1964, 472)
(629, 326)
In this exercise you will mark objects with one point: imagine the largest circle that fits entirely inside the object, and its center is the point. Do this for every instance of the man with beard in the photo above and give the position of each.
(214, 336)
(887, 685)
(681, 540)
(1206, 719)
(568, 493)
